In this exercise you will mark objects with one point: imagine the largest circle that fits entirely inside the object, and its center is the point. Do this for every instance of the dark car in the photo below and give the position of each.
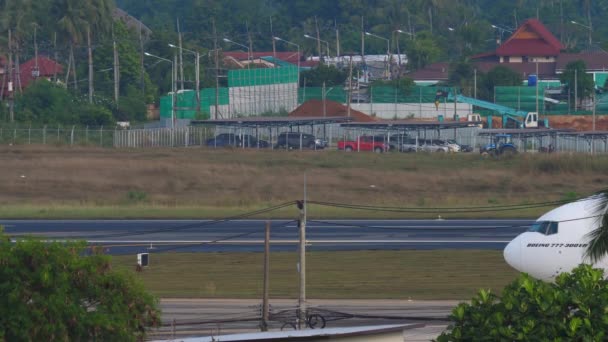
(234, 140)
(295, 140)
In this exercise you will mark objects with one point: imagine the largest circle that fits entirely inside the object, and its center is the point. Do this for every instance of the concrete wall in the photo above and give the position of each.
(413, 110)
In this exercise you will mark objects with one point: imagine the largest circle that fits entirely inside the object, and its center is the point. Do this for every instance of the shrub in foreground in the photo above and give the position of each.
(575, 307)
(52, 292)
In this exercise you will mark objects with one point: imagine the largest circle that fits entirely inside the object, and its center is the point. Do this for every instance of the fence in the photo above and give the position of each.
(47, 135)
(198, 136)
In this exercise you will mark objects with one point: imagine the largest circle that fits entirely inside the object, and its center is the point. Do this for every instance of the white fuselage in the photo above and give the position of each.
(557, 242)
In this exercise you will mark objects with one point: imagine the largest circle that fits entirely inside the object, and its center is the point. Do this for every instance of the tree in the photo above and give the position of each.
(54, 291)
(572, 308)
(575, 76)
(498, 76)
(598, 238)
(462, 75)
(331, 75)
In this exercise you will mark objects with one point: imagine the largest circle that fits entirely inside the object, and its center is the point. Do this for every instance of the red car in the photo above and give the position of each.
(363, 143)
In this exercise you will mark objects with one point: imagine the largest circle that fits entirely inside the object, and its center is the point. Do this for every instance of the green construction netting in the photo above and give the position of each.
(337, 94)
(600, 79)
(262, 76)
(379, 94)
(186, 103)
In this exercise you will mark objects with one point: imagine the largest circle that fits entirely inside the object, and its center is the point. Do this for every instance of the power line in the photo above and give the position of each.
(216, 240)
(195, 225)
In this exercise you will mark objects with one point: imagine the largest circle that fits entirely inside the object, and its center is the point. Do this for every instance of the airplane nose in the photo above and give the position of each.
(513, 254)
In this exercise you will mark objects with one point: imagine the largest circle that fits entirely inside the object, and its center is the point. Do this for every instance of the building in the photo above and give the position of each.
(531, 50)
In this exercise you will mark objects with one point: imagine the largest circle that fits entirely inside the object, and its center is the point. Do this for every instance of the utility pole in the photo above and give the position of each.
(302, 298)
(90, 53)
(475, 83)
(116, 72)
(10, 77)
(537, 81)
(143, 70)
(36, 72)
(274, 46)
(362, 44)
(318, 40)
(198, 81)
(181, 56)
(350, 85)
(55, 57)
(174, 97)
(265, 305)
(337, 39)
(594, 105)
(217, 70)
(575, 90)
(323, 97)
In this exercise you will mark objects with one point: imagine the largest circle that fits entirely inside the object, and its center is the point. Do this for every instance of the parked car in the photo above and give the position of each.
(422, 145)
(296, 140)
(450, 144)
(463, 147)
(234, 140)
(409, 145)
(364, 143)
(434, 146)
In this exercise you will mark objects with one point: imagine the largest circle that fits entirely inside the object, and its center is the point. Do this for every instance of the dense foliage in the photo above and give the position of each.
(52, 292)
(575, 307)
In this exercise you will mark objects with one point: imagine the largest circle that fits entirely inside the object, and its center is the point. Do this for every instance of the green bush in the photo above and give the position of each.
(574, 308)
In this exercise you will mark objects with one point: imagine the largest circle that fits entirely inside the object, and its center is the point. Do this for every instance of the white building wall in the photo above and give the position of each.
(255, 100)
(413, 110)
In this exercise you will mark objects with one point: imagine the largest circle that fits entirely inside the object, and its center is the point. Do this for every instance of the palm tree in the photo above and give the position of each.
(598, 238)
(80, 19)
(16, 15)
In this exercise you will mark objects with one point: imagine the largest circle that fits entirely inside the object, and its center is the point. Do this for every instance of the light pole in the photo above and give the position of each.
(245, 46)
(320, 40)
(587, 27)
(197, 71)
(388, 52)
(298, 47)
(401, 32)
(502, 30)
(172, 85)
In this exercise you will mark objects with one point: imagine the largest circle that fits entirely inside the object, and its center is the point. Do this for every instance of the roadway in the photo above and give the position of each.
(136, 236)
(201, 317)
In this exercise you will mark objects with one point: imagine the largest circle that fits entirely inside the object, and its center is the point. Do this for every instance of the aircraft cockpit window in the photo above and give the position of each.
(544, 227)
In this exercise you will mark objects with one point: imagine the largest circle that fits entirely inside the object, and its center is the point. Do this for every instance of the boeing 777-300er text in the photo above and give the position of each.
(557, 241)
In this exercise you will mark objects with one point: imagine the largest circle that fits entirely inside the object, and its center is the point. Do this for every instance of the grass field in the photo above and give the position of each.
(439, 274)
(61, 182)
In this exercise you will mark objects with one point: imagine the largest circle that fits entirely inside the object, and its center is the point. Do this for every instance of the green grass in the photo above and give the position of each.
(148, 211)
(438, 274)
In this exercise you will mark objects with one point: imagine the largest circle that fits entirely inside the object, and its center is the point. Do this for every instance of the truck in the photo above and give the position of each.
(363, 143)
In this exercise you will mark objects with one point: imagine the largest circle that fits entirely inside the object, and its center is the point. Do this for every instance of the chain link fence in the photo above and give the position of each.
(58, 135)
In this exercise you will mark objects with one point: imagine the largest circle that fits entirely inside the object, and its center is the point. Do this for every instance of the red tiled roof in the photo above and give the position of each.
(527, 47)
(46, 66)
(545, 45)
(594, 61)
(432, 72)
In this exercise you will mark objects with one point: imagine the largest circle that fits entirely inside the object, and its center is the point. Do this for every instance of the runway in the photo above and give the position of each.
(137, 236)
